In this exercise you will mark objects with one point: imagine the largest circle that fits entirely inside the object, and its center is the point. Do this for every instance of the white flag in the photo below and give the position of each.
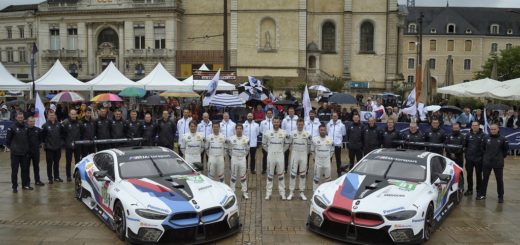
(410, 101)
(306, 101)
(365, 115)
(39, 112)
(212, 89)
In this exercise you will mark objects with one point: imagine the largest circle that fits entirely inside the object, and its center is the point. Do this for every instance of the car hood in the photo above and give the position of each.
(371, 194)
(179, 193)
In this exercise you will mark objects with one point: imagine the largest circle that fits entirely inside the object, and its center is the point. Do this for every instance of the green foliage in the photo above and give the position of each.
(507, 65)
(335, 85)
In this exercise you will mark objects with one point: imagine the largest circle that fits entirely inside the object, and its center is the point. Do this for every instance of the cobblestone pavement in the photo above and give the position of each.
(51, 215)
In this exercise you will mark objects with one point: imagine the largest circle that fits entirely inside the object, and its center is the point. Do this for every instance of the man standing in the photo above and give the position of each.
(312, 125)
(133, 128)
(322, 147)
(215, 147)
(117, 127)
(324, 113)
(205, 126)
(266, 125)
(51, 135)
(413, 135)
(436, 135)
(289, 125)
(494, 147)
(183, 126)
(34, 135)
(473, 145)
(456, 138)
(16, 140)
(371, 136)
(299, 150)
(102, 129)
(88, 132)
(227, 126)
(149, 130)
(275, 142)
(192, 144)
(390, 135)
(252, 130)
(165, 131)
(355, 141)
(336, 130)
(465, 118)
(71, 132)
(238, 147)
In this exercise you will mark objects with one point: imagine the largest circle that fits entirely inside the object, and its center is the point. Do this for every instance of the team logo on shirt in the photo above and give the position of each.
(189, 137)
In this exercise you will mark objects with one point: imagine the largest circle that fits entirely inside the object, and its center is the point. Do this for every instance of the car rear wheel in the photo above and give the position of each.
(428, 223)
(460, 190)
(79, 191)
(120, 221)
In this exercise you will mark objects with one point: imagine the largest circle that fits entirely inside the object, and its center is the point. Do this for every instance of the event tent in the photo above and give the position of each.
(160, 79)
(201, 85)
(8, 82)
(57, 78)
(203, 67)
(507, 90)
(110, 80)
(477, 88)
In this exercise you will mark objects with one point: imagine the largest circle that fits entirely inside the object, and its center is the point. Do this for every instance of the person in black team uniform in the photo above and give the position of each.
(495, 149)
(34, 135)
(371, 136)
(390, 135)
(16, 140)
(133, 128)
(166, 131)
(71, 132)
(88, 132)
(456, 138)
(355, 141)
(473, 145)
(413, 135)
(149, 130)
(117, 128)
(52, 138)
(436, 135)
(102, 129)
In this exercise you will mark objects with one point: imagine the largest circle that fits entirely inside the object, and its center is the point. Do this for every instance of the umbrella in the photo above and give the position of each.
(449, 72)
(70, 97)
(179, 93)
(497, 107)
(341, 98)
(226, 100)
(154, 100)
(448, 108)
(432, 108)
(106, 97)
(132, 92)
(426, 90)
(319, 88)
(285, 102)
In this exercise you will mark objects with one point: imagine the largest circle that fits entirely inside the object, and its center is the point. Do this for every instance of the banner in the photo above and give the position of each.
(365, 115)
(4, 125)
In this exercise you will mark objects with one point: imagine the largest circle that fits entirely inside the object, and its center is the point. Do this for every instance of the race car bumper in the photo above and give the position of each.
(354, 234)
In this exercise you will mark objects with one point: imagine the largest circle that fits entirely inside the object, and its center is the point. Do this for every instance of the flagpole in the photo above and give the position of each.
(33, 53)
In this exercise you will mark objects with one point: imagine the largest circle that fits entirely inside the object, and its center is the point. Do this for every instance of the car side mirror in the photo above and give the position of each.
(101, 175)
(443, 179)
(198, 166)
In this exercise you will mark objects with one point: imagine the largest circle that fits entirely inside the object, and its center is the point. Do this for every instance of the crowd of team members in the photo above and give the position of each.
(287, 145)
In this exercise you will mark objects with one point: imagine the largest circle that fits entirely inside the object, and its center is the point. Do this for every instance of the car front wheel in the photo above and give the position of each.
(120, 221)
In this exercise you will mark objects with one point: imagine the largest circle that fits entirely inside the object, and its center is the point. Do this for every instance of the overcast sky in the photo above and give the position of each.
(477, 3)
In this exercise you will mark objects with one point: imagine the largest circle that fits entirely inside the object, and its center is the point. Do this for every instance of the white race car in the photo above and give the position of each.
(150, 195)
(390, 196)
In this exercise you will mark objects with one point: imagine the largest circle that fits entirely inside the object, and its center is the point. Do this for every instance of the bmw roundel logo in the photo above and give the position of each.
(367, 116)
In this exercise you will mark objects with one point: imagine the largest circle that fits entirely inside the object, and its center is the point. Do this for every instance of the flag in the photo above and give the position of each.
(212, 89)
(365, 115)
(485, 121)
(34, 51)
(253, 82)
(306, 101)
(39, 112)
(410, 101)
(379, 110)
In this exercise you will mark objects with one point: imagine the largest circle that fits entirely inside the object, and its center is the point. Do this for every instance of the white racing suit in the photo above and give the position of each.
(238, 148)
(192, 145)
(322, 149)
(275, 143)
(298, 161)
(215, 148)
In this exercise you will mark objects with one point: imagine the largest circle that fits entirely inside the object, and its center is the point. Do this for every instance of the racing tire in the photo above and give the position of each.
(429, 224)
(79, 191)
(119, 221)
(460, 190)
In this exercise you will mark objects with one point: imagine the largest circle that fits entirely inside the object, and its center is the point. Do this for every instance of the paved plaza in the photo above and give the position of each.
(51, 215)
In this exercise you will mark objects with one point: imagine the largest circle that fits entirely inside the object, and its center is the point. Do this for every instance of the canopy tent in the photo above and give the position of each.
(110, 80)
(57, 78)
(506, 90)
(203, 67)
(201, 85)
(8, 82)
(477, 88)
(160, 79)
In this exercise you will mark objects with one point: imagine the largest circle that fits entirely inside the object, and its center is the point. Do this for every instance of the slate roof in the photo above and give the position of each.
(16, 8)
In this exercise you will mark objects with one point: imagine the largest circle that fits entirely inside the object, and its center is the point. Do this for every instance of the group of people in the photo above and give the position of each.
(288, 143)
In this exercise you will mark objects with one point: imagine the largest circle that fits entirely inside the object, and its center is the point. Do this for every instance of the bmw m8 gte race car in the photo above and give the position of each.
(150, 195)
(390, 196)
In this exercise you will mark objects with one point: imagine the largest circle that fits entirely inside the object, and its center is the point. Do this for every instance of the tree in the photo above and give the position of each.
(335, 85)
(508, 65)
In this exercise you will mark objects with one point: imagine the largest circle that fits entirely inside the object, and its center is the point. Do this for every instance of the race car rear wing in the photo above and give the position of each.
(427, 144)
(107, 141)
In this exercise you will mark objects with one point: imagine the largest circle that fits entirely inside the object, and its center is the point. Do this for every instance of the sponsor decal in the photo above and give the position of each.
(89, 165)
(104, 193)
(423, 155)
(148, 157)
(193, 178)
(395, 159)
(204, 187)
(393, 210)
(132, 219)
(143, 224)
(394, 195)
(400, 226)
(403, 185)
(417, 220)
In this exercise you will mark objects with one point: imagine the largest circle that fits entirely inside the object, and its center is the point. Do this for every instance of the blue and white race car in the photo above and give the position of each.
(390, 196)
(151, 195)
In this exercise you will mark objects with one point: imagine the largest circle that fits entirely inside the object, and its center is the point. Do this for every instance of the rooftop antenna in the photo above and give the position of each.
(447, 3)
(410, 3)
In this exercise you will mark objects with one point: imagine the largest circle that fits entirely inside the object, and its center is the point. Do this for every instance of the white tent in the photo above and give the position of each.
(8, 82)
(110, 80)
(201, 85)
(507, 90)
(203, 68)
(160, 79)
(57, 78)
(477, 88)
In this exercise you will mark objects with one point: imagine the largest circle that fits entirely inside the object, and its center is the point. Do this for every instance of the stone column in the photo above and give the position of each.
(149, 38)
(302, 31)
(121, 60)
(90, 51)
(347, 38)
(63, 36)
(234, 34)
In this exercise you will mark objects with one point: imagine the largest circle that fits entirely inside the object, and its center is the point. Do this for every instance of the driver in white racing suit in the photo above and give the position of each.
(300, 143)
(322, 148)
(215, 148)
(238, 147)
(275, 142)
(192, 144)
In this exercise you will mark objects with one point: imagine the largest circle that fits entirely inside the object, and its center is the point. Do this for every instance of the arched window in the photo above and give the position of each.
(328, 37)
(450, 28)
(412, 28)
(73, 69)
(267, 34)
(494, 48)
(367, 37)
(108, 35)
(312, 62)
(139, 69)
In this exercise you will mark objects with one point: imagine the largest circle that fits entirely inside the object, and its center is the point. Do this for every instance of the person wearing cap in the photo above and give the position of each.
(71, 132)
(102, 129)
(52, 138)
(5, 114)
(17, 141)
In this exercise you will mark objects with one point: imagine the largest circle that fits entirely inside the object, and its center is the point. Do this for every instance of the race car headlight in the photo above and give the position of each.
(230, 202)
(319, 202)
(402, 215)
(150, 214)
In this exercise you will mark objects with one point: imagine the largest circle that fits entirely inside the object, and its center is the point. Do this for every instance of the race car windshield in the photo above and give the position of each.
(391, 169)
(145, 168)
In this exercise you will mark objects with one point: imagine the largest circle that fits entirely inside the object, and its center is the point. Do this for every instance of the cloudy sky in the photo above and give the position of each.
(477, 3)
